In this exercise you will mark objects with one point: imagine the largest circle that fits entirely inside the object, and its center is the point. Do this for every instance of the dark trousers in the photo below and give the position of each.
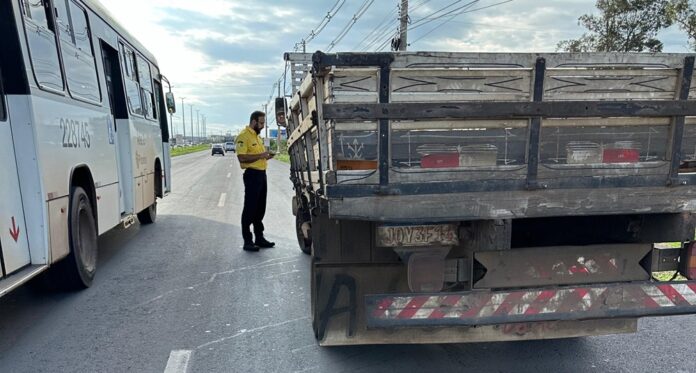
(255, 191)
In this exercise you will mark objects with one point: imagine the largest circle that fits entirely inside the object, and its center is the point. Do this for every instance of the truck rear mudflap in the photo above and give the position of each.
(477, 308)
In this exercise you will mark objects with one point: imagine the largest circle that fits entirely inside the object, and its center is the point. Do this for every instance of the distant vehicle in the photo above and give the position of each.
(229, 146)
(218, 149)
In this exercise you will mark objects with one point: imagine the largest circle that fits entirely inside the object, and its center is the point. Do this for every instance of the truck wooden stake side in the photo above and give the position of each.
(463, 197)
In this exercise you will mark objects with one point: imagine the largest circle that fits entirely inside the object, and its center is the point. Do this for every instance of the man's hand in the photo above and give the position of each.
(270, 155)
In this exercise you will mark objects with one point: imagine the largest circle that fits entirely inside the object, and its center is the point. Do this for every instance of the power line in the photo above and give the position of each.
(380, 34)
(363, 8)
(462, 10)
(321, 26)
(435, 13)
(375, 29)
(415, 7)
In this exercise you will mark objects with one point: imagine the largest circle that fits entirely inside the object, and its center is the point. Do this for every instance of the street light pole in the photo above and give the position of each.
(198, 125)
(183, 117)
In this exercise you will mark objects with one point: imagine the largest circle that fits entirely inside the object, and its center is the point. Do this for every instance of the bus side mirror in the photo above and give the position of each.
(171, 103)
(281, 110)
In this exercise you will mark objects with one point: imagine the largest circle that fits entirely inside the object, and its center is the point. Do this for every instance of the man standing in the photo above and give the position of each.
(253, 158)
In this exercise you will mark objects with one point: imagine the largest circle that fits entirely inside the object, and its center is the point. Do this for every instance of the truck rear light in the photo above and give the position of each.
(622, 152)
(689, 268)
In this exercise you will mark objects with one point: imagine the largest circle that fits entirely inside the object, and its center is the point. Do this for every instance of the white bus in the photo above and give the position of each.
(83, 137)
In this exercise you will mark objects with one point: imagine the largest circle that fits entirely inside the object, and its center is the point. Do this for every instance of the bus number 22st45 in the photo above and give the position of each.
(75, 134)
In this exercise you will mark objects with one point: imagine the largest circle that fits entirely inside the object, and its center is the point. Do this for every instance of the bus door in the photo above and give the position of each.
(14, 246)
(166, 136)
(119, 110)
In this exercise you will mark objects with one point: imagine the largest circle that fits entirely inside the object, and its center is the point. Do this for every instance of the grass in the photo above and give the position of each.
(283, 157)
(190, 149)
(666, 276)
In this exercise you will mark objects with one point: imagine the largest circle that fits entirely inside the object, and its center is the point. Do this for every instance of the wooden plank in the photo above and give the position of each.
(517, 204)
(553, 60)
(616, 84)
(419, 85)
(606, 122)
(490, 110)
(457, 124)
(301, 130)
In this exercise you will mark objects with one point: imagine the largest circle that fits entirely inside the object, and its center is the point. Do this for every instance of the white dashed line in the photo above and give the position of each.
(178, 361)
(229, 175)
(223, 197)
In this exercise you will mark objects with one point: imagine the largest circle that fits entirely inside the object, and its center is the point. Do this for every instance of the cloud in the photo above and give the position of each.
(223, 56)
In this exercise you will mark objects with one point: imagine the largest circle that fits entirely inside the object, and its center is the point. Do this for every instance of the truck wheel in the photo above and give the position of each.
(77, 270)
(305, 245)
(149, 215)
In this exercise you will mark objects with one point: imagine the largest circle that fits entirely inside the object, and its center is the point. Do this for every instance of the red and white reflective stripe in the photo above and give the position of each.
(477, 305)
(689, 293)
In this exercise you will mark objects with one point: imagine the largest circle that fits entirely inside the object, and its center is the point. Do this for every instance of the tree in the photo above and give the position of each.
(622, 26)
(683, 14)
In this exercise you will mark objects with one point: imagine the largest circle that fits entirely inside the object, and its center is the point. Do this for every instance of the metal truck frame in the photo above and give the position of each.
(464, 197)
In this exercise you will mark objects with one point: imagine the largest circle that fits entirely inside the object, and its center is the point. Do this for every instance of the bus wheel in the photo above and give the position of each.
(77, 270)
(149, 215)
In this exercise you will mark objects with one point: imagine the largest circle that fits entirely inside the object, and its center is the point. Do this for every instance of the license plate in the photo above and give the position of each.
(417, 235)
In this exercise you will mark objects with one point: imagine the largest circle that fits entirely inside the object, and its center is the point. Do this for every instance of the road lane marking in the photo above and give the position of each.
(178, 361)
(229, 175)
(223, 197)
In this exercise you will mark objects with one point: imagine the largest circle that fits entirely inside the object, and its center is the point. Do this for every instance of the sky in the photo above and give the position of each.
(223, 56)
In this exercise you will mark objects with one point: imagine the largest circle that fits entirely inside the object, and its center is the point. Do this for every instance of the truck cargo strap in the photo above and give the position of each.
(473, 308)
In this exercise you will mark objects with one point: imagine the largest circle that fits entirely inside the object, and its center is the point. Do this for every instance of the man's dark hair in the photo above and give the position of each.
(256, 115)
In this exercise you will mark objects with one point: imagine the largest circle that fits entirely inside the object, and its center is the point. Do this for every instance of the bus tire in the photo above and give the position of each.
(149, 215)
(78, 268)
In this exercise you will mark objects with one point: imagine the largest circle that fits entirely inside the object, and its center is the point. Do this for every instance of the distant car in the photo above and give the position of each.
(218, 149)
(229, 146)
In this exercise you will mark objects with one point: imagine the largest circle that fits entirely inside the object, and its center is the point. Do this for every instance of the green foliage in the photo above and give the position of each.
(622, 26)
(190, 149)
(683, 13)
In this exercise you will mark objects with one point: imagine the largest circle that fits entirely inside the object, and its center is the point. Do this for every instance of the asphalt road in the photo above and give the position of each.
(181, 293)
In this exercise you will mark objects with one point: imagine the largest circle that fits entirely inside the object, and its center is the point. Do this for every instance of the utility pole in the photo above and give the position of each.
(403, 27)
(191, 116)
(183, 118)
(198, 125)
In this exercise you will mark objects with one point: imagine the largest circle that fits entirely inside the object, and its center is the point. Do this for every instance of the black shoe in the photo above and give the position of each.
(264, 243)
(250, 247)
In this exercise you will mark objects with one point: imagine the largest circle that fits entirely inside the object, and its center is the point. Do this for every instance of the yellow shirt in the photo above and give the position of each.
(248, 142)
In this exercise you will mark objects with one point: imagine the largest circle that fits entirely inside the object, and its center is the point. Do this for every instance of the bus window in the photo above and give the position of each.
(42, 45)
(131, 79)
(77, 53)
(145, 78)
(81, 34)
(36, 11)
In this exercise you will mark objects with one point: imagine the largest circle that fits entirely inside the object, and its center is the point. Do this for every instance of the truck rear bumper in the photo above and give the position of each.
(476, 308)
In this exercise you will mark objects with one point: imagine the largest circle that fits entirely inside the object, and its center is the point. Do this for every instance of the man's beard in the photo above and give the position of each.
(256, 129)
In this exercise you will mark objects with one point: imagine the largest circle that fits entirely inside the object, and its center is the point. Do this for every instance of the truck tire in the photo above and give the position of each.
(77, 270)
(305, 245)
